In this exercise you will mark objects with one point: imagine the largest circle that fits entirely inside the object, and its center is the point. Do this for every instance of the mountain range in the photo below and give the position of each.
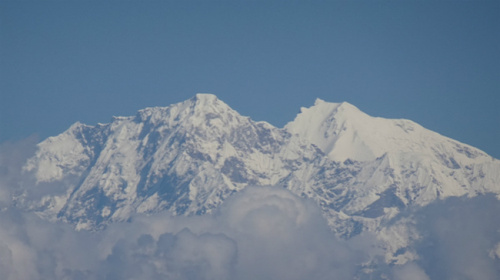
(187, 158)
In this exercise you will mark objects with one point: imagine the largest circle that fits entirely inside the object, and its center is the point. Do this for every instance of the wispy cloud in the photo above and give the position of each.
(13, 156)
(458, 238)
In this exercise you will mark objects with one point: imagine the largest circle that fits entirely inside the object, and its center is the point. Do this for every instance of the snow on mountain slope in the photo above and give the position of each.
(401, 165)
(423, 164)
(187, 158)
(343, 132)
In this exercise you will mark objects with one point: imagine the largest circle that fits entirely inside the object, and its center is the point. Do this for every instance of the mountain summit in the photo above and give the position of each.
(344, 132)
(187, 158)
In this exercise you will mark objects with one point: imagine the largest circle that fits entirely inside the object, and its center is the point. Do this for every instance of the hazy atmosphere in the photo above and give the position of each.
(434, 62)
(197, 190)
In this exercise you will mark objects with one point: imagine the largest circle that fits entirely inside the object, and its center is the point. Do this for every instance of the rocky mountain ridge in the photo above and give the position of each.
(189, 157)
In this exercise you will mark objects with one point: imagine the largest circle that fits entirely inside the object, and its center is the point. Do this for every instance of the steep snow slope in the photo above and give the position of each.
(343, 132)
(188, 157)
(423, 164)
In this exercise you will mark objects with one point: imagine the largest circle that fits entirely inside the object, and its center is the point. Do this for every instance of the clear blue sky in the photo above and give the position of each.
(436, 63)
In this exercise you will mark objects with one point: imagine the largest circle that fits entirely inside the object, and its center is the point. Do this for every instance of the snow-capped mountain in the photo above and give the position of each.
(400, 159)
(185, 158)
(188, 157)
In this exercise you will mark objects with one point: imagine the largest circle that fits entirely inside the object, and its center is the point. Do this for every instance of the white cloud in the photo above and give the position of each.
(458, 236)
(409, 271)
(261, 233)
(12, 157)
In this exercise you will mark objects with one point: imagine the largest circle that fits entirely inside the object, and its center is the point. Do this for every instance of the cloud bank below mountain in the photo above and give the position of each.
(259, 233)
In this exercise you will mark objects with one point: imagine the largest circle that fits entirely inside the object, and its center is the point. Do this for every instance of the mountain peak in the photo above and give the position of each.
(319, 101)
(189, 157)
(206, 105)
(342, 131)
(205, 97)
(323, 105)
(322, 108)
(196, 109)
(324, 123)
(208, 101)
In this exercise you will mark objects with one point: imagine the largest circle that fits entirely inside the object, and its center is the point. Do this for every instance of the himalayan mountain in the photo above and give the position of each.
(187, 158)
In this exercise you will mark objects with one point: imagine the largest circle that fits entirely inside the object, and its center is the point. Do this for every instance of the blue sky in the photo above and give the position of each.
(436, 63)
